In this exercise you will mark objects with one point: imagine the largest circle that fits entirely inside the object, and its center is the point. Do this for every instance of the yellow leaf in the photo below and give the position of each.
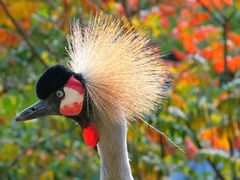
(135, 22)
(20, 9)
(216, 118)
(48, 175)
(238, 4)
(45, 56)
(12, 100)
(156, 32)
(9, 152)
(1, 88)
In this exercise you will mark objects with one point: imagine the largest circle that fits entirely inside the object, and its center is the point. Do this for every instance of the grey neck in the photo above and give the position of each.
(112, 149)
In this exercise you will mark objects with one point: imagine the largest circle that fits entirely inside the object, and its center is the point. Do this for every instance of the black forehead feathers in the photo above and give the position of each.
(51, 80)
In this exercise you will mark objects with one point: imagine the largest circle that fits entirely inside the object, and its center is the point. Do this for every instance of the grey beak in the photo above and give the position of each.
(39, 109)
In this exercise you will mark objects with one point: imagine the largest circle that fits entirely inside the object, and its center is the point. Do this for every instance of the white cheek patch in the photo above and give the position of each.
(72, 102)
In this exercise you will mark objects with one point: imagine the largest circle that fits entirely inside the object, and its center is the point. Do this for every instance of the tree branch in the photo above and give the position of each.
(21, 32)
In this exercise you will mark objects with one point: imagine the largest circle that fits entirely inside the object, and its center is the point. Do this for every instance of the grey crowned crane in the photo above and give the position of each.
(113, 77)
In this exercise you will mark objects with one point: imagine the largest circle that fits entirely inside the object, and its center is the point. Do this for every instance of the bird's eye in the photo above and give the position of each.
(59, 93)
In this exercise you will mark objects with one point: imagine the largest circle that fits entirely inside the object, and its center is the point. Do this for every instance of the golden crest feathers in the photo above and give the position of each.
(121, 70)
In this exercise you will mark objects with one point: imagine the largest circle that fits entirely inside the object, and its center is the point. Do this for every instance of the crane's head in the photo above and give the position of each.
(61, 92)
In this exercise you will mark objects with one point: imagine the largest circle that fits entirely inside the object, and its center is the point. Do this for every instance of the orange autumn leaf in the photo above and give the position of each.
(156, 137)
(167, 10)
(216, 139)
(186, 13)
(178, 101)
(228, 2)
(216, 4)
(188, 79)
(206, 53)
(221, 143)
(237, 61)
(209, 3)
(218, 66)
(223, 96)
(153, 136)
(199, 18)
(188, 44)
(217, 50)
(235, 38)
(25, 23)
(232, 66)
(204, 32)
(8, 39)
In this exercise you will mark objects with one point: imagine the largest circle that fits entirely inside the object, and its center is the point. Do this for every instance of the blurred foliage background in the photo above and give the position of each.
(199, 41)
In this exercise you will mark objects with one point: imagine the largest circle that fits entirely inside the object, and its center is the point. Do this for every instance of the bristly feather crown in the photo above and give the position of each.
(120, 69)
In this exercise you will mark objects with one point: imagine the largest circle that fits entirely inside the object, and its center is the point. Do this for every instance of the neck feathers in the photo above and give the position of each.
(112, 148)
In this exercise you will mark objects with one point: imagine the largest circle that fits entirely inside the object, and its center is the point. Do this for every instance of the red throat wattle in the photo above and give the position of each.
(90, 135)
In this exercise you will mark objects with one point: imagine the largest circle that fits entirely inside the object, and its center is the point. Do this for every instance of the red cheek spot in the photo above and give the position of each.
(71, 109)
